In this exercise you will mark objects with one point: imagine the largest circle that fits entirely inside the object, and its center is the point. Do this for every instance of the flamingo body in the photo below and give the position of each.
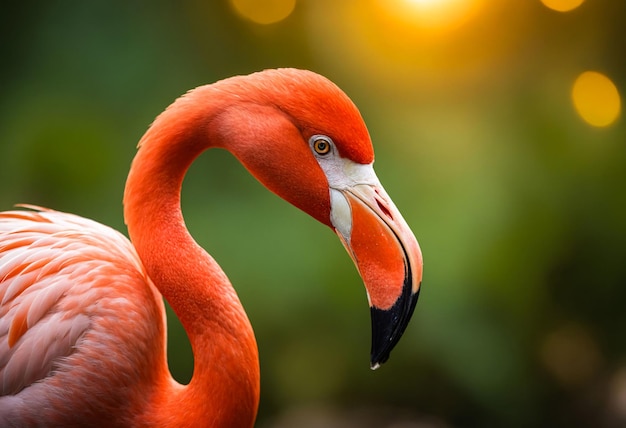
(82, 322)
(73, 291)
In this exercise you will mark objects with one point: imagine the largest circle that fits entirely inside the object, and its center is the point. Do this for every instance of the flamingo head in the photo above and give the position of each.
(305, 140)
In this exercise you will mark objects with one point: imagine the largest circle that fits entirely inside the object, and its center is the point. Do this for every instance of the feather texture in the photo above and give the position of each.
(71, 290)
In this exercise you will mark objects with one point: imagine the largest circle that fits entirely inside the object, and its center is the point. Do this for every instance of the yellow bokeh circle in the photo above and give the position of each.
(596, 99)
(562, 5)
(264, 11)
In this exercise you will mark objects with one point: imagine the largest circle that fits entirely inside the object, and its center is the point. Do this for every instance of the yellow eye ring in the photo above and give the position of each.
(321, 145)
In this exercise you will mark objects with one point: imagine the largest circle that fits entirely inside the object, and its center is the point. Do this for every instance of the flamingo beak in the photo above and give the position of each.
(386, 255)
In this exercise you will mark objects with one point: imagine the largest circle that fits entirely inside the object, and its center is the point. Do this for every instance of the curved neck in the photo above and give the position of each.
(224, 390)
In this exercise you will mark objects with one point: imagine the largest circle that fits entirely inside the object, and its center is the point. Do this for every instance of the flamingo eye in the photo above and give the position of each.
(321, 144)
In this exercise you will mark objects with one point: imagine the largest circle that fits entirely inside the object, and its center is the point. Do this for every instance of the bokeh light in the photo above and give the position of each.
(411, 46)
(437, 15)
(264, 11)
(596, 99)
(562, 5)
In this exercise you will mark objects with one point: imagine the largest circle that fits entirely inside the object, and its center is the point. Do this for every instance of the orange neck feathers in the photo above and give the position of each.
(225, 383)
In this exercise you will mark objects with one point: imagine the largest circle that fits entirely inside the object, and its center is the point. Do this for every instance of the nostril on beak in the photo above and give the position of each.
(384, 208)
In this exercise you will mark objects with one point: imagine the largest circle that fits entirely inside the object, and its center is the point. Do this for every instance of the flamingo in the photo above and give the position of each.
(82, 322)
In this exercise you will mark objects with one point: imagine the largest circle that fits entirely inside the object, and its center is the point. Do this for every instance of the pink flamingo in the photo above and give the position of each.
(82, 323)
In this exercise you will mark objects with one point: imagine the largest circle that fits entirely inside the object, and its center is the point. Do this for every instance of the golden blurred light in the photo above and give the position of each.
(562, 5)
(264, 11)
(432, 14)
(596, 99)
(415, 45)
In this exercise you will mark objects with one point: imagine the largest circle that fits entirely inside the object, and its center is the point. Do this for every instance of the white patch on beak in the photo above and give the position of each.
(342, 175)
(345, 175)
(340, 214)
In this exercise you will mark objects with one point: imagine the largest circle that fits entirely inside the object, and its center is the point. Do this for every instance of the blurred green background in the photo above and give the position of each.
(518, 202)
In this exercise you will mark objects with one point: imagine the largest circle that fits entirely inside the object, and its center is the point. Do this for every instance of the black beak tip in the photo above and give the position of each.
(389, 325)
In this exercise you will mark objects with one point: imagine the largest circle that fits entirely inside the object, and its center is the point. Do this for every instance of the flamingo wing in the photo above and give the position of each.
(72, 291)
